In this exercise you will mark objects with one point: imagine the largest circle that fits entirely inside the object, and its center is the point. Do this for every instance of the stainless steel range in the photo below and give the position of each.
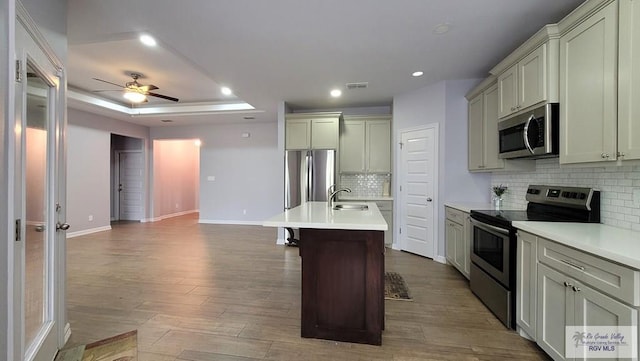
(493, 244)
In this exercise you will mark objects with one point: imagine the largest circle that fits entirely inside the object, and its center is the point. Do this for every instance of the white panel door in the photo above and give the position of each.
(37, 302)
(131, 186)
(418, 191)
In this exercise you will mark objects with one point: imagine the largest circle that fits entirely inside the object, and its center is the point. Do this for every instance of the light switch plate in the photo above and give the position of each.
(211, 178)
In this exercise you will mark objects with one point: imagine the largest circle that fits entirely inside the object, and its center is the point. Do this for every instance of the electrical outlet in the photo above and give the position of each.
(244, 211)
(211, 178)
(177, 206)
(636, 197)
(91, 218)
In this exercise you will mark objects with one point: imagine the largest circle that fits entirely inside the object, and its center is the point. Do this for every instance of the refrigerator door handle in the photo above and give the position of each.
(309, 175)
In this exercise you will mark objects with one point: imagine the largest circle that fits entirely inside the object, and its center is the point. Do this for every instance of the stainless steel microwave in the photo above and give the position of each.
(533, 134)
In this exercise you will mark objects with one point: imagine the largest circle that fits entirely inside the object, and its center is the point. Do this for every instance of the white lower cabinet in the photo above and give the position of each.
(564, 301)
(560, 286)
(458, 239)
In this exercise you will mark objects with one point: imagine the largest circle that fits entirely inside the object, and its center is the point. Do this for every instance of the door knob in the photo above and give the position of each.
(62, 226)
(429, 199)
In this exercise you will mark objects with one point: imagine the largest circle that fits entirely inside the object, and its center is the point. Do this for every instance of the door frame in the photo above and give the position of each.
(116, 183)
(399, 215)
(55, 196)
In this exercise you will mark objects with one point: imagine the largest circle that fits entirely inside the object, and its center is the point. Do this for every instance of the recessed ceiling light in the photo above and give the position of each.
(442, 28)
(336, 93)
(226, 91)
(148, 40)
(417, 73)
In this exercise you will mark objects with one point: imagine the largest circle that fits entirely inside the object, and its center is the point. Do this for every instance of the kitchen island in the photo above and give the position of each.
(342, 270)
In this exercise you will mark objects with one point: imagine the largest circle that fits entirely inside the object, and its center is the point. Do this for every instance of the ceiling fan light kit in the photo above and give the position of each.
(134, 96)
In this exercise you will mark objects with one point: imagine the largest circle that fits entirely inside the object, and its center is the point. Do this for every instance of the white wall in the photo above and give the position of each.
(444, 104)
(176, 172)
(248, 171)
(89, 168)
(88, 179)
(6, 198)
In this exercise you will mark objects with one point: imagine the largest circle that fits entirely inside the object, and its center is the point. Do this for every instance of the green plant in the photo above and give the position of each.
(499, 190)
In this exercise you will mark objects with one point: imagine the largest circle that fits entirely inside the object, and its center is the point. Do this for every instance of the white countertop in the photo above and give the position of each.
(319, 216)
(366, 199)
(468, 206)
(616, 244)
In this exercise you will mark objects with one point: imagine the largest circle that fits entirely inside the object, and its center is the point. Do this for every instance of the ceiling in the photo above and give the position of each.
(284, 50)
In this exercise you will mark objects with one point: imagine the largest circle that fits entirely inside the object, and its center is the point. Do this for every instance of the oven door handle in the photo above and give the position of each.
(489, 227)
(525, 134)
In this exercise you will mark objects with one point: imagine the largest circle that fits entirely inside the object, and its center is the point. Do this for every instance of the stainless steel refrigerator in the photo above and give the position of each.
(308, 174)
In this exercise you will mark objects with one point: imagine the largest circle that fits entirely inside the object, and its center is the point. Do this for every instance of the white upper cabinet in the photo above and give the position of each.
(629, 80)
(365, 144)
(312, 131)
(588, 87)
(529, 75)
(524, 84)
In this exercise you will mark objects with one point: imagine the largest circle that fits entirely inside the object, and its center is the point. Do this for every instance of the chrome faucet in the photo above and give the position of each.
(332, 196)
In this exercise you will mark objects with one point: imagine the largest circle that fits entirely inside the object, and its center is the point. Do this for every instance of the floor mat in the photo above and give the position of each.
(395, 288)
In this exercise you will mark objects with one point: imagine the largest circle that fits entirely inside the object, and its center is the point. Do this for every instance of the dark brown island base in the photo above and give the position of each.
(342, 271)
(342, 285)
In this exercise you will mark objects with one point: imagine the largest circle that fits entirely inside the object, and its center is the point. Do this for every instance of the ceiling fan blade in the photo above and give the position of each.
(163, 96)
(108, 82)
(147, 88)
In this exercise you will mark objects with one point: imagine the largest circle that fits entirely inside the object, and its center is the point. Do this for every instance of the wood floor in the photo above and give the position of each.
(216, 292)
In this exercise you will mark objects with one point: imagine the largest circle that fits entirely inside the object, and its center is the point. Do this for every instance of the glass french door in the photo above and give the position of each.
(37, 267)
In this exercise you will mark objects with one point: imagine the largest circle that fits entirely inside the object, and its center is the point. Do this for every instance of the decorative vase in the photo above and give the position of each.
(497, 203)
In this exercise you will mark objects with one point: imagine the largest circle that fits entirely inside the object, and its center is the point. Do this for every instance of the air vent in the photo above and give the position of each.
(360, 85)
(166, 120)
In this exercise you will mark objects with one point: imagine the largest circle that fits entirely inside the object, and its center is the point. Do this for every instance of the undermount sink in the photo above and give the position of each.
(351, 207)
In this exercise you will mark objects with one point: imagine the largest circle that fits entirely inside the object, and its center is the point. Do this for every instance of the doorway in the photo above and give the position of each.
(127, 178)
(418, 189)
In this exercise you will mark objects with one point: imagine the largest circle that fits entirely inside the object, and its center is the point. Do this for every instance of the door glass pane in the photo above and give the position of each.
(36, 205)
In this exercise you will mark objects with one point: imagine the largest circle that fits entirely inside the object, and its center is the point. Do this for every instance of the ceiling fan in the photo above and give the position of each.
(137, 92)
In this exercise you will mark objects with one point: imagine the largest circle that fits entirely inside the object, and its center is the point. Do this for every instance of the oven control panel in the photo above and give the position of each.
(571, 197)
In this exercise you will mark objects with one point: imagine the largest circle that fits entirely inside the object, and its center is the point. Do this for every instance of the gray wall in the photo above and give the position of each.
(88, 183)
(444, 104)
(247, 171)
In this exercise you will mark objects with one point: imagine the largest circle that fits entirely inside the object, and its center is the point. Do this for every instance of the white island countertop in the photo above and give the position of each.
(613, 243)
(318, 215)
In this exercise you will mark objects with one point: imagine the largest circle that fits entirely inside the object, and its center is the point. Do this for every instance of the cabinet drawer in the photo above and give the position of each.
(611, 278)
(455, 215)
(385, 205)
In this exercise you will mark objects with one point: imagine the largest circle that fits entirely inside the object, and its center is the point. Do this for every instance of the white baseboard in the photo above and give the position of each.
(230, 221)
(166, 216)
(281, 241)
(440, 259)
(67, 332)
(88, 231)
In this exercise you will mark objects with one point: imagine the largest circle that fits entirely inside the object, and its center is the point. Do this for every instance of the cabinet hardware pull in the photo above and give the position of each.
(620, 154)
(581, 268)
(604, 155)
(567, 284)
(576, 289)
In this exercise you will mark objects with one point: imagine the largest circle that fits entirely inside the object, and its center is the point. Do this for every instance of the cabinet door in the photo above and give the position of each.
(491, 147)
(466, 234)
(324, 133)
(532, 77)
(588, 115)
(555, 310)
(450, 240)
(297, 134)
(475, 134)
(526, 281)
(352, 146)
(461, 249)
(507, 88)
(378, 143)
(629, 80)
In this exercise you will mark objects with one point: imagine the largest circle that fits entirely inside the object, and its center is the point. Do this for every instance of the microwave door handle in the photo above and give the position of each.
(525, 134)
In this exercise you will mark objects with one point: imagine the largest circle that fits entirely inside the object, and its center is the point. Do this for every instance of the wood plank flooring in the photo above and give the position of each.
(199, 292)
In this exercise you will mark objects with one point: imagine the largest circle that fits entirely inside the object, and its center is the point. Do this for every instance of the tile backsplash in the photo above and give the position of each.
(364, 185)
(616, 184)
